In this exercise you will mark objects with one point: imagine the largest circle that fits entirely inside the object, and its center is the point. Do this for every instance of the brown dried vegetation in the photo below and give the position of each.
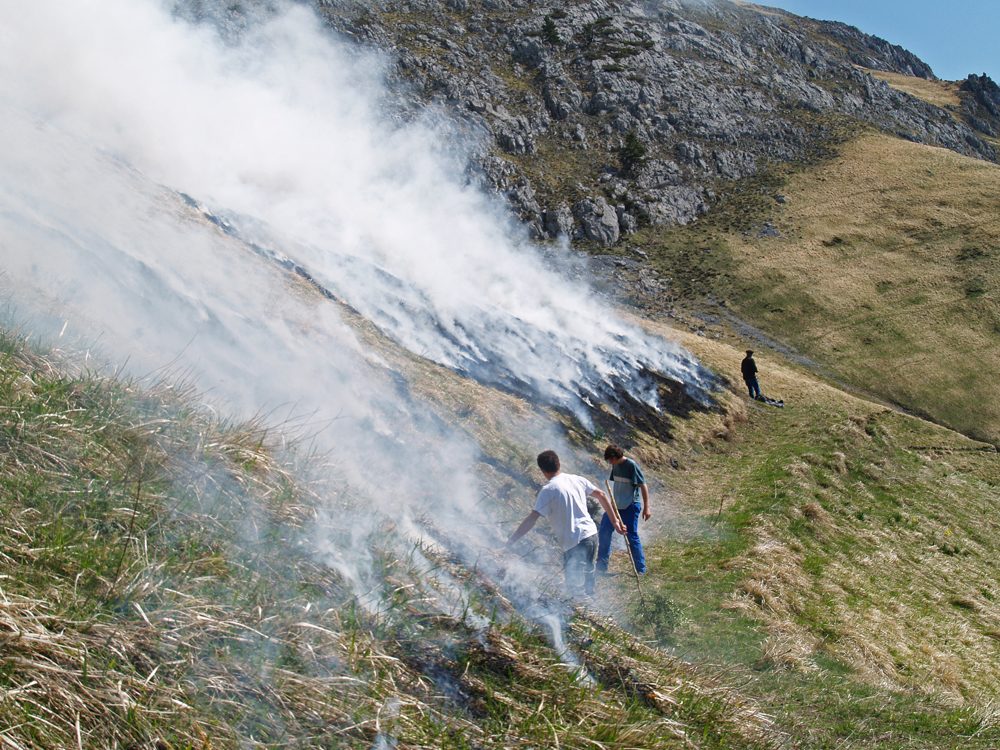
(159, 590)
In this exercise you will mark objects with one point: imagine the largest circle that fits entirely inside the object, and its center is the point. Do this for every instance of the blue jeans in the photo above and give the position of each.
(578, 564)
(753, 387)
(630, 517)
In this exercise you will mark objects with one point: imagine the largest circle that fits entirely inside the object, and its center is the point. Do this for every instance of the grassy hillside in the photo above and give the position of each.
(814, 579)
(861, 545)
(821, 575)
(889, 271)
(882, 263)
(162, 588)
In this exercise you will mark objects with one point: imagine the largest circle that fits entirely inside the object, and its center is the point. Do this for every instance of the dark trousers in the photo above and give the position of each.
(630, 517)
(753, 387)
(578, 564)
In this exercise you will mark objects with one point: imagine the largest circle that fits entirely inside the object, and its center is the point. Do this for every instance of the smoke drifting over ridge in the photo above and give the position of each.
(112, 109)
(286, 127)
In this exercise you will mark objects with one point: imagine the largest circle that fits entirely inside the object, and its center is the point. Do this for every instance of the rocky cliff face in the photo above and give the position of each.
(713, 91)
(981, 104)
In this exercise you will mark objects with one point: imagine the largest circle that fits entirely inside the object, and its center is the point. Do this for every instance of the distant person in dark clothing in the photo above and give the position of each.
(749, 368)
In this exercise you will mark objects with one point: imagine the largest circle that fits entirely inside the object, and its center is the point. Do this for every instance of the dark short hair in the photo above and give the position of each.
(548, 461)
(749, 351)
(613, 452)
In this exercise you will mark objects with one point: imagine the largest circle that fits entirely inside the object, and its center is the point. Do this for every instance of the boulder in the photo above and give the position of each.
(598, 221)
(559, 222)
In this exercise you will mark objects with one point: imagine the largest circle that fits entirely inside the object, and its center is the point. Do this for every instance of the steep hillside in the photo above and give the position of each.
(888, 270)
(881, 264)
(821, 575)
(173, 581)
(845, 502)
(860, 541)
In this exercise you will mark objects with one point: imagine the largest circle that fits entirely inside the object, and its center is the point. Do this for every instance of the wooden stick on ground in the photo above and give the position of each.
(628, 545)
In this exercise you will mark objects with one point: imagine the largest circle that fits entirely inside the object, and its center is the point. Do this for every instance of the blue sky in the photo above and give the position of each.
(955, 38)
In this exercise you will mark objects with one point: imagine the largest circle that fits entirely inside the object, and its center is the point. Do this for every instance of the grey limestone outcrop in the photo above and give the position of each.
(715, 91)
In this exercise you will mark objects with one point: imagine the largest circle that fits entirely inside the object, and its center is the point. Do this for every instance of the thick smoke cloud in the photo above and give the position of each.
(286, 127)
(143, 156)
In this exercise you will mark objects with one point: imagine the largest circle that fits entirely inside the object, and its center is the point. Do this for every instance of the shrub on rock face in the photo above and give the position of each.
(549, 31)
(632, 154)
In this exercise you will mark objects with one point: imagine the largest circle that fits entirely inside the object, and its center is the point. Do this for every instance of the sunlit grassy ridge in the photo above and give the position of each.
(882, 264)
(938, 93)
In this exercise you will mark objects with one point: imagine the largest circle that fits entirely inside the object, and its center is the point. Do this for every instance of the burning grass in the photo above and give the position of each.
(162, 589)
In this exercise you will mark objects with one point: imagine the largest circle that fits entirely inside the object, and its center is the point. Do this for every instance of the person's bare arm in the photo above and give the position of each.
(605, 502)
(525, 527)
(646, 512)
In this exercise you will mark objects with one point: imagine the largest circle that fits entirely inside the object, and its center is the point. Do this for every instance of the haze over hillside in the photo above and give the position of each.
(426, 240)
(533, 104)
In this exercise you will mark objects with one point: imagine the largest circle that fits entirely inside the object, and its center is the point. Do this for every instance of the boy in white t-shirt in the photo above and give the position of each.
(563, 500)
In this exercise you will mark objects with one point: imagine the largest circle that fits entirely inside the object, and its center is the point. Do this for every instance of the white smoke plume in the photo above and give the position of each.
(286, 127)
(141, 154)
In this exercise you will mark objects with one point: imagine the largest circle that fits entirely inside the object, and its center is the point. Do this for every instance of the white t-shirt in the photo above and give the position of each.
(563, 500)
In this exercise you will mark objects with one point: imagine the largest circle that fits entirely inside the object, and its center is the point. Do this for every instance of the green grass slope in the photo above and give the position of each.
(843, 555)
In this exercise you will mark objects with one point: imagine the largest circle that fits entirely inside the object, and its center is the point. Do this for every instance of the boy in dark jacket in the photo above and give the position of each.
(749, 368)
